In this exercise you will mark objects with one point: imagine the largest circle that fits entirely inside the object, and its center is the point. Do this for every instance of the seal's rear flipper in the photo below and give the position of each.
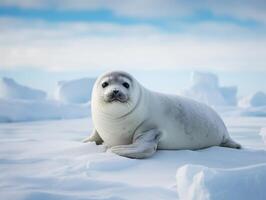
(143, 146)
(87, 139)
(231, 144)
(94, 137)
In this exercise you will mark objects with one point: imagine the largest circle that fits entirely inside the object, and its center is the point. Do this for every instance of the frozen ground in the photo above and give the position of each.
(46, 160)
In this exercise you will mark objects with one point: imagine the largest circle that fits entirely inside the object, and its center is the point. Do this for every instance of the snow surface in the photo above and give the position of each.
(205, 88)
(21, 103)
(200, 182)
(46, 160)
(74, 91)
(263, 134)
(242, 111)
(27, 110)
(10, 89)
(257, 99)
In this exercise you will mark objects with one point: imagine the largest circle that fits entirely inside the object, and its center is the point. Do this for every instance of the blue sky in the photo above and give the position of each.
(159, 39)
(105, 15)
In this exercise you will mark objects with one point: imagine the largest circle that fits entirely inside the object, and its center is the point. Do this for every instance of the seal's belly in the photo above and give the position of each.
(114, 135)
(117, 132)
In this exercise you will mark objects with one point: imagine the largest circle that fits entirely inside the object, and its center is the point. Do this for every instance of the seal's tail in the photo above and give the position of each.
(231, 144)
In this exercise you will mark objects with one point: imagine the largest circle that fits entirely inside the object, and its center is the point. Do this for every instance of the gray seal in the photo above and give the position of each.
(134, 122)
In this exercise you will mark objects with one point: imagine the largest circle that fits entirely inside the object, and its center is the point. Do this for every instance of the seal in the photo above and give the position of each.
(134, 122)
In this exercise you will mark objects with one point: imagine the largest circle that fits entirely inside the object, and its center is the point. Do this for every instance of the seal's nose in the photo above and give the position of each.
(115, 91)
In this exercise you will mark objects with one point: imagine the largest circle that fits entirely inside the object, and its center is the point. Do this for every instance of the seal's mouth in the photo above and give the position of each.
(119, 98)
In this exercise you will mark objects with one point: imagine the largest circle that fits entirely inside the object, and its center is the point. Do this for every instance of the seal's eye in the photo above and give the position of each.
(105, 84)
(126, 85)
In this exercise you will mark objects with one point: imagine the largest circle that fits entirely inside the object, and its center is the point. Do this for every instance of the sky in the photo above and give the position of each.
(159, 41)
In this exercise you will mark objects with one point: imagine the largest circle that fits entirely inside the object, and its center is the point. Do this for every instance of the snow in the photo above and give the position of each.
(10, 89)
(46, 160)
(31, 110)
(263, 134)
(242, 111)
(254, 100)
(74, 91)
(21, 103)
(200, 182)
(205, 88)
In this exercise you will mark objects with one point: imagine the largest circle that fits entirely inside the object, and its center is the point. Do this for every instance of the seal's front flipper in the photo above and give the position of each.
(143, 146)
(94, 137)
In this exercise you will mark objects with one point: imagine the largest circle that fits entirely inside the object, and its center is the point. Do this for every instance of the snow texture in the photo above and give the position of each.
(26, 110)
(205, 88)
(10, 89)
(257, 99)
(74, 91)
(263, 134)
(21, 103)
(242, 111)
(46, 160)
(203, 183)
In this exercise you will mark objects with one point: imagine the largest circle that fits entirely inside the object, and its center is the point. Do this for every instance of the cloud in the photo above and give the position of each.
(243, 10)
(84, 45)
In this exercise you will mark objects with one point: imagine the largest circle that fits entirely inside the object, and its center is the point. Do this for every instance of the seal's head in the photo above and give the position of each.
(115, 93)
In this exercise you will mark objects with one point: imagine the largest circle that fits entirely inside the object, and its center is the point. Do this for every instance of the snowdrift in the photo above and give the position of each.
(74, 91)
(254, 111)
(10, 89)
(242, 111)
(20, 103)
(254, 100)
(18, 110)
(204, 183)
(47, 160)
(205, 88)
